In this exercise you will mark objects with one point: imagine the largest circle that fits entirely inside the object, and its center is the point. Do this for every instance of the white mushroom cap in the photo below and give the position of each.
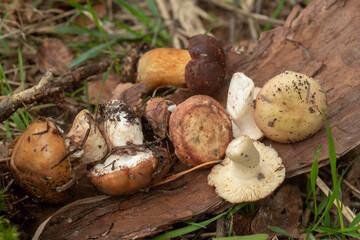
(122, 126)
(250, 171)
(240, 106)
(288, 107)
(94, 148)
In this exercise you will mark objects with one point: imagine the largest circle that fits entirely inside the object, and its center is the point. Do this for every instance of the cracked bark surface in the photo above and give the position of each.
(322, 42)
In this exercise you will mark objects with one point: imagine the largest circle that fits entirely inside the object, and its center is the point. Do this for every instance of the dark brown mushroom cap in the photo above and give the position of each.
(200, 130)
(36, 151)
(205, 73)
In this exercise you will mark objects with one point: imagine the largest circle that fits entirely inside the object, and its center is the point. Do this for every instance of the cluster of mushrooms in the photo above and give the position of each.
(288, 108)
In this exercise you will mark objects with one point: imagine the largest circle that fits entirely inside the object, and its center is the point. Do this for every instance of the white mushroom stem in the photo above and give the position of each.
(244, 158)
(240, 106)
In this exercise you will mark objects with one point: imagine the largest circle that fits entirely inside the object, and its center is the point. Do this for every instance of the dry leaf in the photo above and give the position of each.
(95, 87)
(52, 53)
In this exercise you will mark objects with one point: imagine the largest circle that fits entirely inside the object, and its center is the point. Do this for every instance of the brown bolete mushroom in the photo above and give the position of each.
(251, 171)
(289, 107)
(205, 73)
(163, 66)
(33, 157)
(200, 130)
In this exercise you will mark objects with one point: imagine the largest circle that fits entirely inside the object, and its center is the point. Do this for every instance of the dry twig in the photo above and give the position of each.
(47, 87)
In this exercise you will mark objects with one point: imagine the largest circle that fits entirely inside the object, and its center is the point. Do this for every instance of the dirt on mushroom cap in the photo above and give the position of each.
(288, 108)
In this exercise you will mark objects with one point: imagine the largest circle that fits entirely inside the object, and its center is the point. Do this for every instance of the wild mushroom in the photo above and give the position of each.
(130, 166)
(201, 67)
(163, 66)
(289, 107)
(205, 73)
(85, 140)
(122, 125)
(240, 106)
(200, 130)
(32, 162)
(251, 171)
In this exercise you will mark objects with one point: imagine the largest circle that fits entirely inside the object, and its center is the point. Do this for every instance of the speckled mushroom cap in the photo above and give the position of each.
(200, 130)
(251, 171)
(288, 107)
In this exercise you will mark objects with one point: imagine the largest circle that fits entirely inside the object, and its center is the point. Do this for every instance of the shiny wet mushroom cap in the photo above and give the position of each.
(251, 171)
(289, 107)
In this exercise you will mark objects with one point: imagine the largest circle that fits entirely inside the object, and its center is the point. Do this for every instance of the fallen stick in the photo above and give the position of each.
(47, 87)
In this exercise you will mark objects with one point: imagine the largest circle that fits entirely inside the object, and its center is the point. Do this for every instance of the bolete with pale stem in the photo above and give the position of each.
(289, 107)
(201, 67)
(251, 171)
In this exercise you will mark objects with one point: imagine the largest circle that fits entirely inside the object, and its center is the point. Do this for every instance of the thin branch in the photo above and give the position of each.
(47, 87)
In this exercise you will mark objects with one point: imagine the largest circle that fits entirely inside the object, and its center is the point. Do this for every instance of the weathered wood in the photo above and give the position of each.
(322, 42)
(138, 215)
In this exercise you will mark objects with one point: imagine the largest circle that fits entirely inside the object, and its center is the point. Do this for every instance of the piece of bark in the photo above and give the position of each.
(138, 215)
(283, 211)
(322, 42)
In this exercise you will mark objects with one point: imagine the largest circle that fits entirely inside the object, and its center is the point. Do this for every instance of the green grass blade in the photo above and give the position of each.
(355, 222)
(17, 120)
(275, 15)
(8, 130)
(3, 77)
(153, 8)
(235, 209)
(96, 21)
(187, 229)
(92, 52)
(21, 67)
(281, 231)
(136, 12)
(249, 237)
(104, 77)
(195, 224)
(332, 152)
(86, 87)
(313, 176)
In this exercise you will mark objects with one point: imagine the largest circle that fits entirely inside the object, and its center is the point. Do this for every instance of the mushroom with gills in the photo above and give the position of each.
(240, 106)
(130, 166)
(251, 171)
(289, 107)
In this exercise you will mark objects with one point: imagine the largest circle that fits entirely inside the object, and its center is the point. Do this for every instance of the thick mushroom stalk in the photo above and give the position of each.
(250, 171)
(240, 106)
(122, 126)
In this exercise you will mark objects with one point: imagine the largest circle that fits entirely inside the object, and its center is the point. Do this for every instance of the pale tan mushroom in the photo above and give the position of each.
(250, 171)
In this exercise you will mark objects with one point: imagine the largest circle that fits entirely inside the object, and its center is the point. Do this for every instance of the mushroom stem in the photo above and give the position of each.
(244, 157)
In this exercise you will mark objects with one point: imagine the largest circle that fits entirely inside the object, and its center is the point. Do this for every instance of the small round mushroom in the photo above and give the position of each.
(205, 73)
(162, 67)
(240, 106)
(288, 107)
(200, 130)
(125, 171)
(85, 137)
(251, 171)
(36, 152)
(122, 125)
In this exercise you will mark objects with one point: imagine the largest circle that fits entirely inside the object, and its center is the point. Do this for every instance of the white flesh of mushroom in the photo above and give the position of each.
(121, 128)
(117, 162)
(240, 106)
(250, 171)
